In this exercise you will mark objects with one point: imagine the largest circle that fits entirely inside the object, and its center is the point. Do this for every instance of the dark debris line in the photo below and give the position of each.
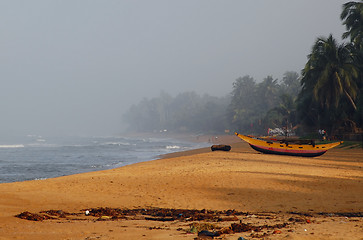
(186, 215)
(166, 214)
(156, 214)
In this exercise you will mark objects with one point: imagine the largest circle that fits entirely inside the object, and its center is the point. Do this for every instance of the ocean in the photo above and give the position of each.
(37, 158)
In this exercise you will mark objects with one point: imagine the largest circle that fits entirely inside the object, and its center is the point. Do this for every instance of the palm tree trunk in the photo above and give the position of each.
(350, 99)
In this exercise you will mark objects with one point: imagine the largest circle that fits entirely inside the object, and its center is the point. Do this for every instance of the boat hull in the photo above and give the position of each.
(285, 148)
(287, 152)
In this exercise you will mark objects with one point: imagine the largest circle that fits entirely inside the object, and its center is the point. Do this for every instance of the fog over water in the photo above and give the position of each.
(74, 67)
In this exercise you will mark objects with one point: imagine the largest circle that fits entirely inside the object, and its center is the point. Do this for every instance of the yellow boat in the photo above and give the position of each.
(285, 148)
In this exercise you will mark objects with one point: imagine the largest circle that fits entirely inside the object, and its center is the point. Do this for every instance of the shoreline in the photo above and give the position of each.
(272, 189)
(26, 156)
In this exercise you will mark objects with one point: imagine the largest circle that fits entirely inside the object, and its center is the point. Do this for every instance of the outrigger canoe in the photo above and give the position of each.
(285, 148)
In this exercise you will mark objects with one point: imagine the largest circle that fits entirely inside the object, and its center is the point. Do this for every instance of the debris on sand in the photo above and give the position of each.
(31, 216)
(202, 222)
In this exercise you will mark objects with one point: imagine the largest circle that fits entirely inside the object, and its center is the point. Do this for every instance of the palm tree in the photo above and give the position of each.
(268, 94)
(242, 109)
(283, 115)
(291, 84)
(330, 73)
(352, 16)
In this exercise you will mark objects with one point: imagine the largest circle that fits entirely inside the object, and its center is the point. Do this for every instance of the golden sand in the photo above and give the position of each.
(241, 179)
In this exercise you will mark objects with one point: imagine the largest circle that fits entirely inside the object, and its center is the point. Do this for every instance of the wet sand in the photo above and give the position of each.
(311, 198)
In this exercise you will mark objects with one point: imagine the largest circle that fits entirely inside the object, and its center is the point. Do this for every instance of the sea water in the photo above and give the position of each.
(37, 158)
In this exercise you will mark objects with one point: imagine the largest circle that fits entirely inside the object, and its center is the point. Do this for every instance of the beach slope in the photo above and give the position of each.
(327, 192)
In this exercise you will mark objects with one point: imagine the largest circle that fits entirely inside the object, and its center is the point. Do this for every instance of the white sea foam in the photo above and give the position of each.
(117, 143)
(39, 179)
(40, 144)
(12, 146)
(173, 147)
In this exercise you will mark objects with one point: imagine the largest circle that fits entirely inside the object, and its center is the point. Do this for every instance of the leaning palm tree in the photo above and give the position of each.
(352, 16)
(330, 73)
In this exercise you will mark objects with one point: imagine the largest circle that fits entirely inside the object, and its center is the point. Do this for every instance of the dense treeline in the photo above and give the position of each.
(186, 112)
(251, 107)
(269, 104)
(327, 95)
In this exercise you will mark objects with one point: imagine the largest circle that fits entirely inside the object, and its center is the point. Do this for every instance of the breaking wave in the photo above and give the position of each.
(173, 147)
(12, 146)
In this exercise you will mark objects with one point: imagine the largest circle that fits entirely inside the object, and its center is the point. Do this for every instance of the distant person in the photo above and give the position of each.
(323, 133)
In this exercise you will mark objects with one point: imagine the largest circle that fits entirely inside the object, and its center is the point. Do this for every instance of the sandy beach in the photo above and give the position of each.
(279, 197)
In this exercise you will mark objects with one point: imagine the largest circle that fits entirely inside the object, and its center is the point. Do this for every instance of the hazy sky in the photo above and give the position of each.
(73, 67)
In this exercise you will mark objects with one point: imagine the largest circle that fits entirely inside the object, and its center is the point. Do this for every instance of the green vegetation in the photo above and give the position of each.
(255, 107)
(327, 95)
